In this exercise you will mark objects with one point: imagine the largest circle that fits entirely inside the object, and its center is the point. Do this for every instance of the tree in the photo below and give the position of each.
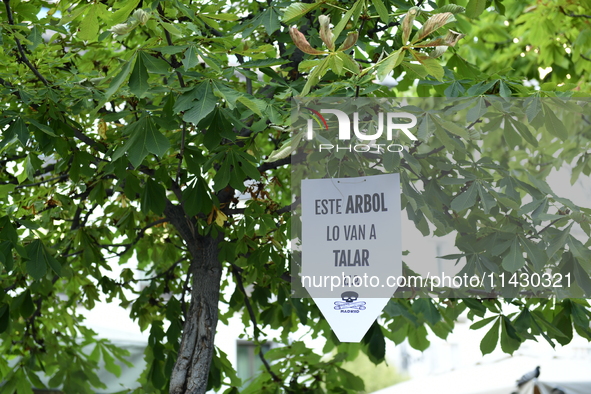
(129, 129)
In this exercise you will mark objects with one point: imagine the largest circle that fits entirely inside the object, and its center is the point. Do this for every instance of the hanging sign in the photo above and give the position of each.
(351, 248)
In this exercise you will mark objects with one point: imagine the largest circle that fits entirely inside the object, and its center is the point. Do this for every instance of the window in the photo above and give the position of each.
(248, 359)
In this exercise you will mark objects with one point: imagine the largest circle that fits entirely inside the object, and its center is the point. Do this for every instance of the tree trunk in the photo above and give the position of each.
(191, 370)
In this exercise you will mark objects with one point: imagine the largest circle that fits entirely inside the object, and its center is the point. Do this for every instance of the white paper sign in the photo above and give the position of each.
(351, 248)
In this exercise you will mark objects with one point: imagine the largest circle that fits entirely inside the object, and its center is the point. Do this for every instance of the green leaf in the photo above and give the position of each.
(582, 278)
(481, 323)
(481, 88)
(316, 75)
(247, 166)
(264, 63)
(558, 242)
(535, 252)
(222, 176)
(153, 198)
(477, 111)
(452, 127)
(35, 37)
(19, 129)
(154, 64)
(218, 16)
(296, 10)
(490, 340)
(417, 338)
(270, 19)
(453, 8)
(110, 364)
(122, 13)
(145, 138)
(382, 10)
(6, 255)
(7, 230)
(523, 129)
(465, 200)
(254, 106)
(389, 63)
(425, 307)
(118, 80)
(205, 103)
(138, 81)
(553, 124)
(513, 260)
(89, 26)
(172, 29)
(426, 128)
(348, 63)
(511, 137)
(475, 8)
(510, 341)
(44, 128)
(376, 344)
(504, 90)
(533, 107)
(37, 263)
(577, 248)
(190, 60)
(432, 65)
(289, 145)
(22, 383)
(196, 198)
(354, 12)
(226, 93)
(486, 199)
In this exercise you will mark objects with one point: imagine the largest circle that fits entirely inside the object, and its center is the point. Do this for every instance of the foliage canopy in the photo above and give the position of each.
(129, 129)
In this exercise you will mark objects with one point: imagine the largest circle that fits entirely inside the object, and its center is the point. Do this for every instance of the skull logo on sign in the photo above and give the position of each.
(349, 296)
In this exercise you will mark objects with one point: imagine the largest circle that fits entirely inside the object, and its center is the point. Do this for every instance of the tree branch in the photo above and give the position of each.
(256, 330)
(174, 62)
(573, 15)
(181, 152)
(163, 273)
(63, 176)
(248, 80)
(423, 155)
(87, 140)
(23, 55)
(274, 164)
(139, 236)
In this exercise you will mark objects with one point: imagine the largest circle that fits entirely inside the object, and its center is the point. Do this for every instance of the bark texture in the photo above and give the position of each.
(191, 370)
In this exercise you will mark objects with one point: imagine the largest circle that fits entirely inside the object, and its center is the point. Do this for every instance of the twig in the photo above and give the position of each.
(174, 61)
(423, 155)
(274, 164)
(87, 140)
(236, 273)
(63, 176)
(549, 225)
(139, 236)
(163, 273)
(573, 15)
(248, 80)
(181, 152)
(23, 55)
